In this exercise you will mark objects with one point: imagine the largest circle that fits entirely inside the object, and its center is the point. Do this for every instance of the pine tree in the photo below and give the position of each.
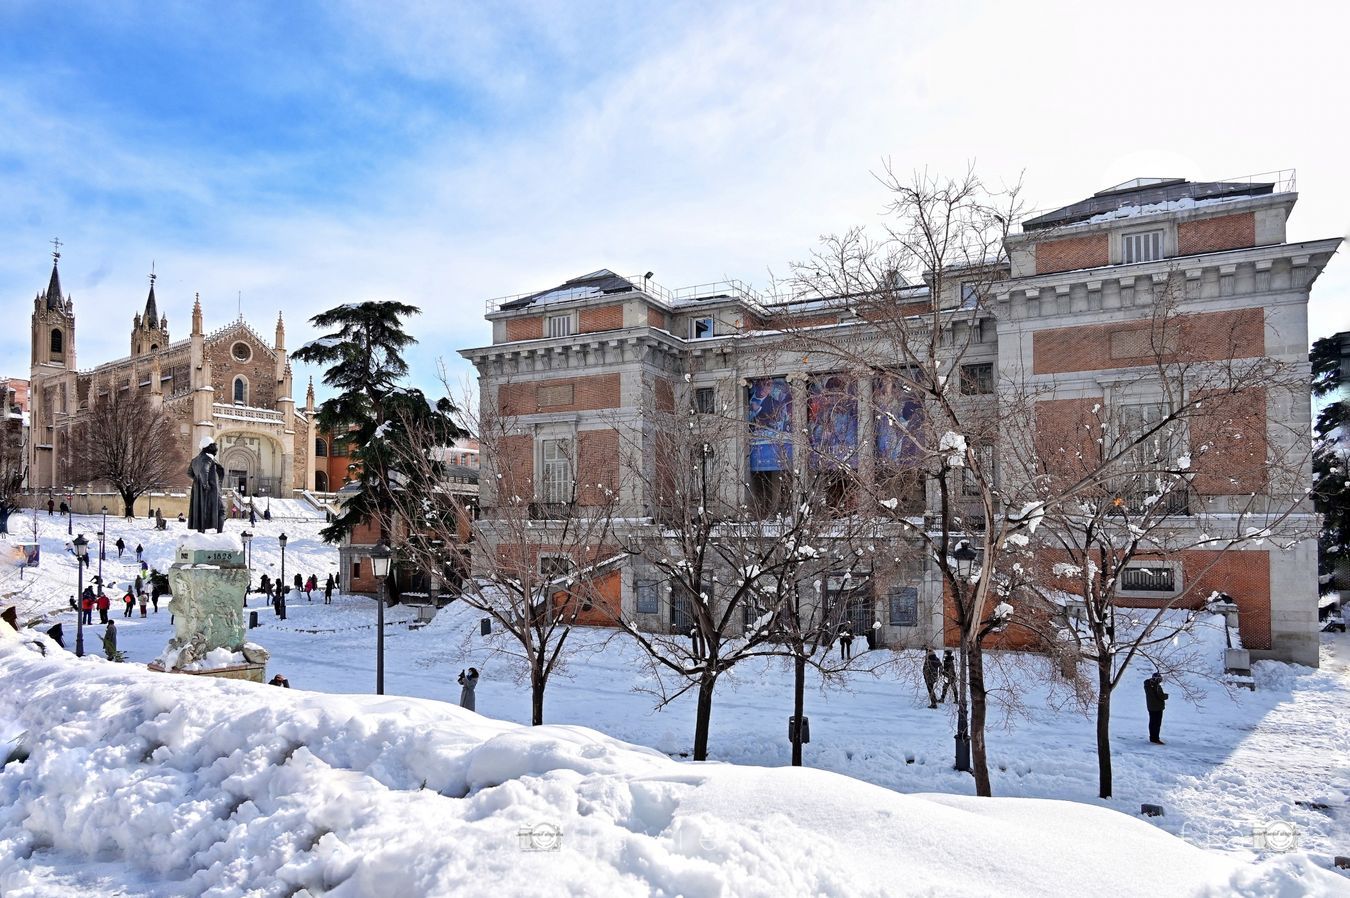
(1331, 456)
(372, 414)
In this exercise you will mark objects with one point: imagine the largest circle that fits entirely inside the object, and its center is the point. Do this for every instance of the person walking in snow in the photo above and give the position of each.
(932, 669)
(128, 600)
(310, 584)
(265, 585)
(87, 606)
(154, 596)
(103, 603)
(299, 582)
(121, 546)
(110, 641)
(144, 601)
(140, 550)
(1156, 700)
(252, 516)
(328, 590)
(948, 675)
(51, 507)
(469, 682)
(845, 642)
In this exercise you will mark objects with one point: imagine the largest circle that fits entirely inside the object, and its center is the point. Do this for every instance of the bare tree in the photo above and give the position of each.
(128, 443)
(543, 557)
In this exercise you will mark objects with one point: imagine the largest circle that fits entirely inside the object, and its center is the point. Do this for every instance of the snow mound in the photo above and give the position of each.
(185, 785)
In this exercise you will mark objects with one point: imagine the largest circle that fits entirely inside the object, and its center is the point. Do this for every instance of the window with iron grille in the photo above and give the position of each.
(556, 482)
(903, 602)
(648, 597)
(977, 379)
(560, 325)
(1142, 247)
(705, 400)
(1153, 578)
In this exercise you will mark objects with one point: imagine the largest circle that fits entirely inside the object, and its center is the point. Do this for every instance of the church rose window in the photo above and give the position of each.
(241, 351)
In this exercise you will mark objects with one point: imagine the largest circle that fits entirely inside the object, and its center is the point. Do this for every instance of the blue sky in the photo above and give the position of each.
(306, 154)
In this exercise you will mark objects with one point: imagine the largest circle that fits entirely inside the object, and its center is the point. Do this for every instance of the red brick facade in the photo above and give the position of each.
(516, 467)
(531, 328)
(603, 318)
(657, 318)
(597, 466)
(1232, 431)
(1208, 235)
(1066, 437)
(1211, 336)
(571, 394)
(665, 395)
(1069, 253)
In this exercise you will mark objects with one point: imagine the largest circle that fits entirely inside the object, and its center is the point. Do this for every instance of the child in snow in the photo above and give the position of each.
(470, 682)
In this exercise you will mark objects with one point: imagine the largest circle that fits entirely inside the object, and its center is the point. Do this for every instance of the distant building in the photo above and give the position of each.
(14, 392)
(230, 385)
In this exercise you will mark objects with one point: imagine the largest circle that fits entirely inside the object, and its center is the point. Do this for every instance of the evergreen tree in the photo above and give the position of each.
(372, 415)
(1331, 456)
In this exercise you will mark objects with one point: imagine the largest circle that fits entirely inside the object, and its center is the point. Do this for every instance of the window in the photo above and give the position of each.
(356, 571)
(903, 602)
(969, 485)
(58, 341)
(705, 400)
(320, 447)
(320, 482)
(977, 379)
(1151, 578)
(1142, 247)
(240, 391)
(701, 328)
(557, 470)
(552, 567)
(240, 351)
(648, 598)
(849, 600)
(560, 325)
(682, 603)
(970, 294)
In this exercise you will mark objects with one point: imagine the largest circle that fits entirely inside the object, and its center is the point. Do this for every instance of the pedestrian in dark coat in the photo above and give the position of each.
(139, 582)
(104, 603)
(65, 509)
(129, 600)
(252, 516)
(299, 582)
(265, 585)
(1156, 700)
(140, 550)
(328, 590)
(154, 597)
(121, 546)
(932, 669)
(948, 675)
(51, 507)
(845, 642)
(470, 682)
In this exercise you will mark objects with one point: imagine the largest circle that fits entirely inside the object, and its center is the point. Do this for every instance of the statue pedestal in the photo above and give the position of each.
(208, 579)
(255, 673)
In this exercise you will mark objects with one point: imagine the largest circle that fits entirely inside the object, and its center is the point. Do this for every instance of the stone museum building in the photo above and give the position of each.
(229, 384)
(581, 371)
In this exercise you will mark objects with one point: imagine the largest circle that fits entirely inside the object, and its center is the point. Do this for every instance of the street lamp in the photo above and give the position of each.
(247, 537)
(102, 545)
(70, 510)
(281, 541)
(965, 556)
(81, 552)
(379, 560)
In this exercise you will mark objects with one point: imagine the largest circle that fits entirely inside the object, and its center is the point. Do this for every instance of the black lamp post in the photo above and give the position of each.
(81, 552)
(965, 556)
(281, 541)
(70, 510)
(102, 546)
(247, 537)
(380, 557)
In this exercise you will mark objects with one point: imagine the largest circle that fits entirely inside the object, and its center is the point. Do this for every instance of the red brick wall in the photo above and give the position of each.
(1208, 235)
(516, 467)
(602, 318)
(600, 391)
(1210, 336)
(657, 318)
(524, 328)
(1066, 437)
(1024, 633)
(1233, 431)
(1090, 251)
(665, 395)
(597, 466)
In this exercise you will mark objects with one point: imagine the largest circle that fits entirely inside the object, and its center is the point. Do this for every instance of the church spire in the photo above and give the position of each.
(53, 295)
(151, 316)
(281, 333)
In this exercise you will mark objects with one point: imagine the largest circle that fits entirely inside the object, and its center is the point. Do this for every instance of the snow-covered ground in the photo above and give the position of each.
(1232, 764)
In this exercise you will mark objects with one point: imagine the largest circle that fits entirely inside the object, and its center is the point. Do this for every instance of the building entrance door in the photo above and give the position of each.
(240, 480)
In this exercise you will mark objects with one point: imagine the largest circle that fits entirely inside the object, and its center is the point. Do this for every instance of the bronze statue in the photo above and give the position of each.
(204, 505)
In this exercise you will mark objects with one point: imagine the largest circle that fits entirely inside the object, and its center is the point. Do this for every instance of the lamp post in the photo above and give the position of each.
(81, 552)
(102, 546)
(281, 541)
(70, 510)
(247, 537)
(379, 560)
(965, 558)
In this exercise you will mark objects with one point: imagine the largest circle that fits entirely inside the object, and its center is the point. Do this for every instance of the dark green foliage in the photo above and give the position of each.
(372, 417)
(1331, 454)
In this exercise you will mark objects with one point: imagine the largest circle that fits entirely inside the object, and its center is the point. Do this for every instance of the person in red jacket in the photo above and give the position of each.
(103, 603)
(87, 607)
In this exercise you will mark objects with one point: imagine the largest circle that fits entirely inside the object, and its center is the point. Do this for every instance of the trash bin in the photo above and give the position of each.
(805, 729)
(252, 619)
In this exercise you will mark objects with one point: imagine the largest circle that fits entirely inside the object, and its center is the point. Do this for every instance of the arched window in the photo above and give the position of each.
(154, 346)
(320, 447)
(321, 481)
(240, 391)
(58, 341)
